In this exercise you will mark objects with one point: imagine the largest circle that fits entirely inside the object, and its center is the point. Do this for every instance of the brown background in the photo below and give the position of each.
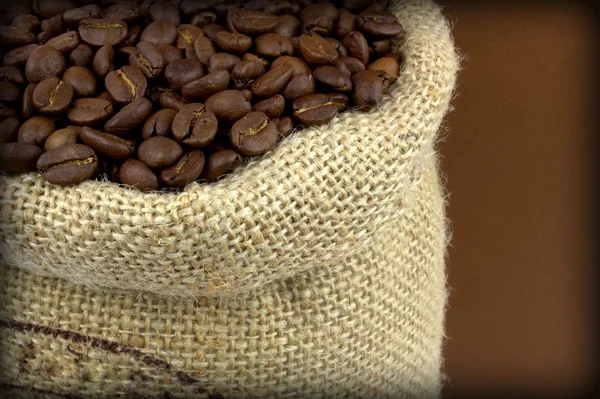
(519, 157)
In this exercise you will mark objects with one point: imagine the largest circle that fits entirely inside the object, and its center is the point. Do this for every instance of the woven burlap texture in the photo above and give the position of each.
(316, 269)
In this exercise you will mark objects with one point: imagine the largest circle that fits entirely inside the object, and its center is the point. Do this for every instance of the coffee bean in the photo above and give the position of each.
(43, 37)
(253, 57)
(341, 66)
(8, 130)
(368, 89)
(133, 35)
(273, 81)
(169, 52)
(62, 137)
(357, 46)
(126, 84)
(278, 7)
(112, 147)
(36, 130)
(187, 35)
(233, 42)
(206, 86)
(299, 67)
(106, 96)
(254, 134)
(247, 94)
(219, 163)
(203, 18)
(285, 126)
(28, 109)
(14, 37)
(185, 171)
(386, 79)
(65, 43)
(9, 93)
(194, 125)
(388, 65)
(123, 54)
(228, 105)
(381, 24)
(172, 100)
(345, 25)
(340, 100)
(6, 112)
(89, 111)
(379, 48)
(129, 117)
(211, 30)
(332, 78)
(52, 96)
(295, 42)
(148, 59)
(53, 24)
(19, 157)
(287, 25)
(82, 80)
(19, 56)
(136, 174)
(44, 62)
(12, 75)
(354, 65)
(272, 107)
(318, 18)
(159, 152)
(129, 13)
(160, 32)
(222, 61)
(99, 32)
(245, 72)
(255, 5)
(341, 49)
(273, 45)
(299, 86)
(104, 60)
(252, 22)
(316, 50)
(68, 165)
(314, 109)
(50, 8)
(26, 22)
(82, 55)
(159, 123)
(73, 17)
(180, 72)
(204, 49)
(165, 11)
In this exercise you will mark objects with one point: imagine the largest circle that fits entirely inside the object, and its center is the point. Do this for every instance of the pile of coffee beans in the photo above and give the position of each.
(158, 94)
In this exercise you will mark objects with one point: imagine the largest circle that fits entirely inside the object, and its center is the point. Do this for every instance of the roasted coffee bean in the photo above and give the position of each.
(160, 32)
(164, 10)
(82, 80)
(318, 18)
(169, 52)
(27, 22)
(285, 126)
(211, 30)
(204, 18)
(19, 157)
(278, 7)
(128, 12)
(8, 130)
(273, 45)
(50, 8)
(19, 56)
(386, 79)
(299, 86)
(354, 65)
(159, 123)
(14, 37)
(357, 46)
(159, 152)
(28, 109)
(273, 81)
(129, 117)
(287, 25)
(314, 109)
(52, 96)
(124, 53)
(233, 42)
(388, 65)
(12, 75)
(110, 146)
(68, 165)
(247, 94)
(253, 57)
(104, 60)
(185, 171)
(341, 49)
(381, 24)
(341, 66)
(6, 112)
(126, 84)
(148, 59)
(99, 32)
(133, 35)
(222, 61)
(316, 50)
(255, 5)
(82, 55)
(333, 78)
(172, 100)
(228, 105)
(89, 111)
(194, 125)
(136, 174)
(252, 22)
(219, 163)
(204, 49)
(340, 100)
(9, 93)
(74, 16)
(379, 48)
(272, 107)
(295, 42)
(43, 37)
(299, 67)
(345, 25)
(206, 86)
(36, 130)
(368, 89)
(254, 134)
(180, 72)
(62, 137)
(53, 24)
(395, 55)
(106, 96)
(187, 35)
(44, 62)
(244, 73)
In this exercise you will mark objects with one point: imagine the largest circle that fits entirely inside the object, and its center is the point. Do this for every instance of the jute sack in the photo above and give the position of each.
(315, 270)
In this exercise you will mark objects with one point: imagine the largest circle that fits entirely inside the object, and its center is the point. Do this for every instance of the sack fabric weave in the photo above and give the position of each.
(315, 270)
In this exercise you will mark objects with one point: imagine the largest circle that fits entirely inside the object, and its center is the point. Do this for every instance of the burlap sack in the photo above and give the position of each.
(315, 270)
